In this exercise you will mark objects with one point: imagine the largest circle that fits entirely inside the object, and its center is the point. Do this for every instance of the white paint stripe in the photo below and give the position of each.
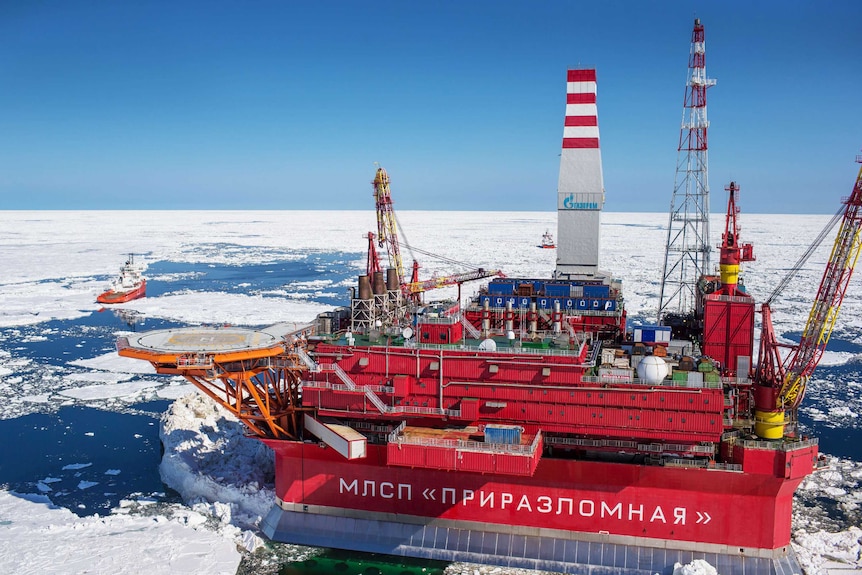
(581, 87)
(581, 132)
(581, 110)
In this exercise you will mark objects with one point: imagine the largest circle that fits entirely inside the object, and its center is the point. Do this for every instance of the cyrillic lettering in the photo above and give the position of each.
(352, 488)
(365, 485)
(486, 499)
(408, 488)
(639, 512)
(525, 503)
(467, 495)
(504, 499)
(543, 501)
(617, 510)
(451, 491)
(560, 505)
(679, 515)
(389, 485)
(658, 514)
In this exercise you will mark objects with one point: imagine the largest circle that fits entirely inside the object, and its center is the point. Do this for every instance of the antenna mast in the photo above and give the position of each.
(688, 247)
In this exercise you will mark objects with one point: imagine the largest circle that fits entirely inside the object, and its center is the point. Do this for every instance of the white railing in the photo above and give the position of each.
(504, 351)
(405, 410)
(372, 397)
(625, 444)
(471, 329)
(779, 446)
(199, 360)
(701, 464)
(306, 359)
(636, 381)
(309, 384)
(677, 448)
(464, 444)
(342, 375)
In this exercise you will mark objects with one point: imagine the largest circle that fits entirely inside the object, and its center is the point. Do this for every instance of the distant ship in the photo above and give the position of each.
(129, 285)
(547, 241)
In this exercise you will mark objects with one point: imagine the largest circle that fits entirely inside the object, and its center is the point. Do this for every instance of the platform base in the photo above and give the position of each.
(575, 553)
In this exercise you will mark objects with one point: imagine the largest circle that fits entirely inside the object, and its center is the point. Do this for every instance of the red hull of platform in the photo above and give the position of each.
(674, 506)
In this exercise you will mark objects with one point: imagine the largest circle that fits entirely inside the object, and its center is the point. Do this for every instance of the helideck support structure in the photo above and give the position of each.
(580, 192)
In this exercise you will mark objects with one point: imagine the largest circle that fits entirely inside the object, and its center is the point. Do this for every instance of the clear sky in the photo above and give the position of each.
(287, 105)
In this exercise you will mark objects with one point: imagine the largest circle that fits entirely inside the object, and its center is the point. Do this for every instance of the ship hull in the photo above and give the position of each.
(112, 296)
(569, 515)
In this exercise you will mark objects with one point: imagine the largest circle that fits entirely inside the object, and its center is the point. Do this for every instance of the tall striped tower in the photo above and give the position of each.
(580, 191)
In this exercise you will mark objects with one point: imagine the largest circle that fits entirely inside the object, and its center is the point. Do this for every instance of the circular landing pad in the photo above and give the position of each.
(202, 340)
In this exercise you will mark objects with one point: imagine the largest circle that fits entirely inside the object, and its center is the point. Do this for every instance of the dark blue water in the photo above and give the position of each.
(253, 279)
(89, 458)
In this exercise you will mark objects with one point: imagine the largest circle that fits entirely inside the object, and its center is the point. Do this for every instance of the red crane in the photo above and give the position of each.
(731, 252)
(780, 382)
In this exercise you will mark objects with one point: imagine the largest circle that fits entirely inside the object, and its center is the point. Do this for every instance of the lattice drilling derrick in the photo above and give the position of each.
(687, 252)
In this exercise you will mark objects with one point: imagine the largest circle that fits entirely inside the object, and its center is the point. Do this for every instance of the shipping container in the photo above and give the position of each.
(651, 334)
(483, 462)
(508, 434)
(596, 291)
(557, 290)
(501, 288)
(343, 439)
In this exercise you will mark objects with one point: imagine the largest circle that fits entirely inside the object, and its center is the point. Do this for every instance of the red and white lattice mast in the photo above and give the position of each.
(688, 247)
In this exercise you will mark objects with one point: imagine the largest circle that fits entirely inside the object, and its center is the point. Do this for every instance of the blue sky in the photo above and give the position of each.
(287, 105)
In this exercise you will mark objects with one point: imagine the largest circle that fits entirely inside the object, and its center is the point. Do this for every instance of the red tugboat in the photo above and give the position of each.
(129, 285)
(529, 427)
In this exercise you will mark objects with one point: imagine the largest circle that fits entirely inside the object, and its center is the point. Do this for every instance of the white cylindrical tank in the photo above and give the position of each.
(652, 369)
(488, 345)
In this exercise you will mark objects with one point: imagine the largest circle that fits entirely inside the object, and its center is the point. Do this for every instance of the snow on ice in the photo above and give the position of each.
(40, 539)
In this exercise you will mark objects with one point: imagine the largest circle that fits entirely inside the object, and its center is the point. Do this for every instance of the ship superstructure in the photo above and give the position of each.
(130, 284)
(529, 426)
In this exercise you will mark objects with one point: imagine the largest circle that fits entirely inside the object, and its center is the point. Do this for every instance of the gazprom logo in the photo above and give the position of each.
(569, 203)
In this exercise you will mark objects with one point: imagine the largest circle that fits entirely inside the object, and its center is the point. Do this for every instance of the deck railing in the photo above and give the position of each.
(779, 446)
(464, 444)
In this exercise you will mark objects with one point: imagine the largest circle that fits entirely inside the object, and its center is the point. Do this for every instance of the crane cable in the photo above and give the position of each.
(804, 258)
(439, 257)
(403, 237)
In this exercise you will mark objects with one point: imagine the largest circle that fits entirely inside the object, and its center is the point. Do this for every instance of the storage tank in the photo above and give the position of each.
(652, 369)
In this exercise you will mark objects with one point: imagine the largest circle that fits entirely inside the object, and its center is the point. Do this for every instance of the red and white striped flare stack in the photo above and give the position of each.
(582, 124)
(580, 192)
